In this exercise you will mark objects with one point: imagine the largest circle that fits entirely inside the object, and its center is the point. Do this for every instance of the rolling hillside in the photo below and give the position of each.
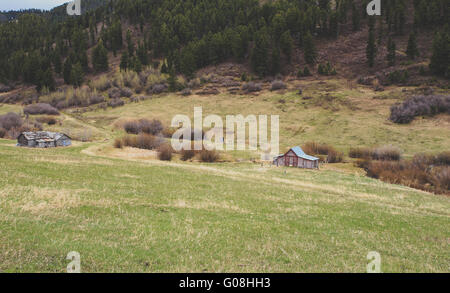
(134, 215)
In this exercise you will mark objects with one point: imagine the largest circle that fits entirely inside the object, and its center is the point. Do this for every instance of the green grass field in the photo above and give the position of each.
(151, 216)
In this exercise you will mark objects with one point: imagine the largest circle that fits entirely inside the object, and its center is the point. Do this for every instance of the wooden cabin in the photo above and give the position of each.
(43, 139)
(296, 157)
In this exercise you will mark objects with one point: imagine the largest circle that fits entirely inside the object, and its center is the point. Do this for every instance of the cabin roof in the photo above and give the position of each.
(300, 153)
(43, 135)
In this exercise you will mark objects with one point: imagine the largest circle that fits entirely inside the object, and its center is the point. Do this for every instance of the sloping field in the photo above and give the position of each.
(149, 216)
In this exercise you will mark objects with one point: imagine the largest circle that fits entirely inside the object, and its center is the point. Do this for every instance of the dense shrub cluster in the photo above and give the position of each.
(11, 125)
(114, 103)
(277, 85)
(39, 109)
(209, 156)
(252, 87)
(314, 148)
(418, 173)
(419, 106)
(140, 141)
(152, 127)
(383, 153)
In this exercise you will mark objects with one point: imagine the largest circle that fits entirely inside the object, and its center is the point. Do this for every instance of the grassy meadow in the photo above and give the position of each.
(132, 215)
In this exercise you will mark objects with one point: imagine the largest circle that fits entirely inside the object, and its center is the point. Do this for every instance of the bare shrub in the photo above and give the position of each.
(360, 153)
(419, 106)
(114, 103)
(165, 152)
(251, 87)
(2, 132)
(131, 127)
(96, 99)
(387, 153)
(10, 121)
(333, 156)
(187, 154)
(277, 85)
(157, 88)
(118, 143)
(152, 127)
(114, 93)
(443, 159)
(40, 108)
(146, 141)
(209, 156)
(186, 92)
(126, 92)
(383, 153)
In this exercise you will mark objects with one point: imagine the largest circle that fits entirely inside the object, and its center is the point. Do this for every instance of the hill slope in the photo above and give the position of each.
(158, 217)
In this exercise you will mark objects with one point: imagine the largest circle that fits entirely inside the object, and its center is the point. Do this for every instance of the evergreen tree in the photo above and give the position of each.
(391, 48)
(275, 61)
(356, 18)
(286, 44)
(100, 58)
(67, 71)
(76, 75)
(412, 51)
(310, 53)
(130, 44)
(371, 49)
(260, 54)
(124, 61)
(440, 60)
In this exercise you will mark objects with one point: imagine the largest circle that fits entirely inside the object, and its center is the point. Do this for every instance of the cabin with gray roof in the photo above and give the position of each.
(43, 139)
(296, 157)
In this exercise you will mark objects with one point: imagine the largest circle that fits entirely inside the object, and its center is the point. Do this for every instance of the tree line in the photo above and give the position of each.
(192, 34)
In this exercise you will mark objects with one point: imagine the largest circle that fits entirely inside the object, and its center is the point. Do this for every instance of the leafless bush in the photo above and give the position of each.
(126, 92)
(157, 88)
(360, 153)
(40, 108)
(187, 154)
(209, 156)
(251, 87)
(314, 148)
(186, 92)
(131, 127)
(387, 153)
(409, 173)
(147, 141)
(277, 85)
(165, 152)
(114, 103)
(10, 121)
(419, 106)
(2, 132)
(152, 127)
(114, 93)
(118, 143)
(96, 99)
(383, 153)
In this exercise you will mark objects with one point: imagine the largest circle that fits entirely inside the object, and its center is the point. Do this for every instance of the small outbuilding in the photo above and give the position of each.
(296, 157)
(43, 139)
